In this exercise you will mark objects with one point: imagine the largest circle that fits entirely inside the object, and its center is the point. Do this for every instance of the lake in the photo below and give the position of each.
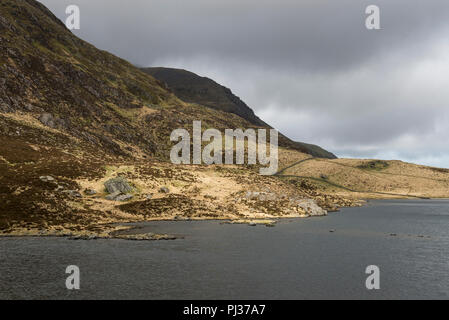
(297, 259)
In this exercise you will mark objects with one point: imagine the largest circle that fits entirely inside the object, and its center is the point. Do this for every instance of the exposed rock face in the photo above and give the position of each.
(311, 207)
(118, 184)
(276, 202)
(47, 120)
(118, 189)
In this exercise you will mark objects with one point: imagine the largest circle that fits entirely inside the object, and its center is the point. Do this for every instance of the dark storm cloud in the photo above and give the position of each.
(309, 67)
(307, 34)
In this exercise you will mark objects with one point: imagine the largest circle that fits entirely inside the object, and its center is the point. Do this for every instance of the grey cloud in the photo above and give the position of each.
(313, 35)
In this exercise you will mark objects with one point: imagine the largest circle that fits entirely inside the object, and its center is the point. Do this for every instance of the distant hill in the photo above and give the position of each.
(193, 88)
(366, 178)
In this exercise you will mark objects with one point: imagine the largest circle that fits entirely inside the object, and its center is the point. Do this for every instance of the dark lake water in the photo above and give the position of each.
(297, 259)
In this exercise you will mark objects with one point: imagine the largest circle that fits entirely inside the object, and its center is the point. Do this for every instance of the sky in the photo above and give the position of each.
(310, 68)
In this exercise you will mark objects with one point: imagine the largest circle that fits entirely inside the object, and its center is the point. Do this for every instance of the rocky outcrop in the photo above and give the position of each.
(48, 120)
(118, 189)
(47, 178)
(311, 208)
(118, 184)
(277, 204)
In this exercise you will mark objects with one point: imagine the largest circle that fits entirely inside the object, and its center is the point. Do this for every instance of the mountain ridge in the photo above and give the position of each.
(193, 88)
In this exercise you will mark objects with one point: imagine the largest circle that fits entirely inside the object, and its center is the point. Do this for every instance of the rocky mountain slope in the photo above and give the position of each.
(192, 88)
(70, 85)
(84, 142)
(73, 117)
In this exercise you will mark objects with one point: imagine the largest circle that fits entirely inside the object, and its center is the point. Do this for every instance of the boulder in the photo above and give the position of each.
(123, 197)
(47, 178)
(164, 190)
(47, 120)
(311, 207)
(73, 193)
(113, 195)
(118, 184)
(90, 192)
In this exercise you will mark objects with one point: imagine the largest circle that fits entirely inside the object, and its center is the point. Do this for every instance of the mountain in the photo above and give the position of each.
(85, 139)
(90, 93)
(193, 88)
(73, 117)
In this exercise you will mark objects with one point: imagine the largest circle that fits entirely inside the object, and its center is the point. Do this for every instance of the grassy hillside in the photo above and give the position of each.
(358, 178)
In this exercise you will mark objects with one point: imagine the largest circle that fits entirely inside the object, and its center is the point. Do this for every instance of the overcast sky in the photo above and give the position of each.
(310, 68)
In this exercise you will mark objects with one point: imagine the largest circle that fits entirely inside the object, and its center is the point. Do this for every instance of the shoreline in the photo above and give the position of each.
(119, 230)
